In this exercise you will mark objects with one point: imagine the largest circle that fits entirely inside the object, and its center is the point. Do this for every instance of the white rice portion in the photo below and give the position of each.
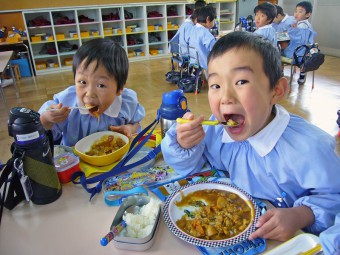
(141, 225)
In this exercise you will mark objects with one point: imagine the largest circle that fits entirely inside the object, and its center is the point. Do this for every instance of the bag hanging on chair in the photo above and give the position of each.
(308, 57)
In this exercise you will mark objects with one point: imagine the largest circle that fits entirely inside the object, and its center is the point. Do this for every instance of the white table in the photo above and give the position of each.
(73, 225)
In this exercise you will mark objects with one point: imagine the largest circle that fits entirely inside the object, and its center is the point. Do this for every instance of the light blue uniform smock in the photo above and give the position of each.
(330, 238)
(125, 109)
(302, 34)
(289, 159)
(203, 41)
(285, 24)
(182, 38)
(269, 33)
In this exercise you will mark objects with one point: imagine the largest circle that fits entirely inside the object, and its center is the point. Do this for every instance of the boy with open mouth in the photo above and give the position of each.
(98, 99)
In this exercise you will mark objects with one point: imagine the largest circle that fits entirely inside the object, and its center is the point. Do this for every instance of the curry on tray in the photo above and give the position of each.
(218, 214)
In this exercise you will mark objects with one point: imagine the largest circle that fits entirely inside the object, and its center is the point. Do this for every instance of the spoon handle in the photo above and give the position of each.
(114, 232)
(204, 122)
(71, 107)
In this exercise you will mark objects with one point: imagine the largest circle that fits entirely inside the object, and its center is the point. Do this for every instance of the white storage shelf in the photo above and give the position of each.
(142, 29)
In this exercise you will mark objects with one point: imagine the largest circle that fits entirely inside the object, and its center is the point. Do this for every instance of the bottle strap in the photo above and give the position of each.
(121, 166)
(15, 194)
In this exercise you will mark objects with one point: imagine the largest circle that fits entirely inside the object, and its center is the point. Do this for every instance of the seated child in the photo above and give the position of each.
(260, 155)
(282, 22)
(182, 35)
(300, 33)
(100, 68)
(200, 37)
(264, 16)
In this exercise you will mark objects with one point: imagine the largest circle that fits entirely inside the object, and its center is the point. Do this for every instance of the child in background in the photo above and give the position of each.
(100, 68)
(301, 33)
(245, 85)
(182, 35)
(282, 22)
(200, 37)
(264, 16)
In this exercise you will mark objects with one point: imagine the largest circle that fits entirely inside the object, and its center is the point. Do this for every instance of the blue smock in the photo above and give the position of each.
(125, 109)
(302, 34)
(285, 24)
(269, 33)
(203, 41)
(290, 159)
(330, 238)
(182, 38)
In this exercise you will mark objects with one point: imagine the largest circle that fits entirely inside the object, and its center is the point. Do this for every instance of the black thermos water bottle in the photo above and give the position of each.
(31, 138)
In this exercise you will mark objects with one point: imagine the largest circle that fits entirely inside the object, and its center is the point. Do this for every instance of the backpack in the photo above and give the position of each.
(188, 84)
(310, 59)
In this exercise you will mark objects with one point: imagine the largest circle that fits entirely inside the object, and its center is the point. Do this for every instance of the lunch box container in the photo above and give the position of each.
(66, 164)
(130, 243)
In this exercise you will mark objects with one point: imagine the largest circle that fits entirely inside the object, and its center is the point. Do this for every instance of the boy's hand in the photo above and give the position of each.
(281, 224)
(49, 118)
(127, 130)
(191, 133)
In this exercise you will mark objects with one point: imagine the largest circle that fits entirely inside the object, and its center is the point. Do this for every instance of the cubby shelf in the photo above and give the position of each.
(142, 29)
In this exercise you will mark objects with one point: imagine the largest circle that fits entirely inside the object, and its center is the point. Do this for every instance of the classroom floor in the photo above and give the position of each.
(147, 78)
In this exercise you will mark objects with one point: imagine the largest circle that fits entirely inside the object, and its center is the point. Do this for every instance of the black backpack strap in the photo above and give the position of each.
(298, 59)
(15, 194)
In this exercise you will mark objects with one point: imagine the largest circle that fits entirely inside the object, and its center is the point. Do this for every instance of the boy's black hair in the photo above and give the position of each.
(306, 5)
(279, 10)
(107, 53)
(204, 12)
(271, 59)
(200, 4)
(268, 9)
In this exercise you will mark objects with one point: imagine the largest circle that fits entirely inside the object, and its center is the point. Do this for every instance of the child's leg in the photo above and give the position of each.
(302, 78)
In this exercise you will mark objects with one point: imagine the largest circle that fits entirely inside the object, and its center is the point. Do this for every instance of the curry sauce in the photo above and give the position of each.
(219, 215)
(105, 145)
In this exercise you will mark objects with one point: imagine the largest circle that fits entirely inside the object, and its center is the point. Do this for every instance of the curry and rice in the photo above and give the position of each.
(105, 145)
(219, 214)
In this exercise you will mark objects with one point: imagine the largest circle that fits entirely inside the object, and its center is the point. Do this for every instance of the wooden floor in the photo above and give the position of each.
(147, 78)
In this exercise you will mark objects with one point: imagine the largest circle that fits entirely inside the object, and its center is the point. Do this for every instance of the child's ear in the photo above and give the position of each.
(280, 90)
(308, 14)
(119, 92)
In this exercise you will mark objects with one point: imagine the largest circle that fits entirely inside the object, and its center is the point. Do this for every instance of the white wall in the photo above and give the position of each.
(325, 20)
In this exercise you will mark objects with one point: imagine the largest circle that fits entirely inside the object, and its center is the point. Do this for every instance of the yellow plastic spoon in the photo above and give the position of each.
(209, 122)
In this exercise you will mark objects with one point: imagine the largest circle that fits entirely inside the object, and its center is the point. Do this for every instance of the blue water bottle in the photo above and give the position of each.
(174, 105)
